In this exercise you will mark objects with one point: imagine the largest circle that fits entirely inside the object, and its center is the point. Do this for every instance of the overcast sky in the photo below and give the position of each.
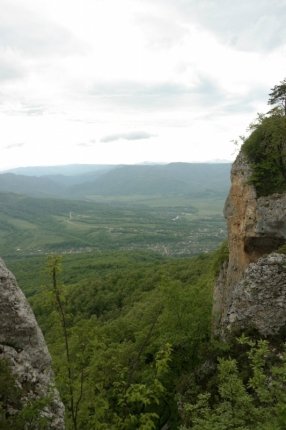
(128, 81)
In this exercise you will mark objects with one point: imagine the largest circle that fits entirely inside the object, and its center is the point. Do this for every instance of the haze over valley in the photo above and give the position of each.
(173, 209)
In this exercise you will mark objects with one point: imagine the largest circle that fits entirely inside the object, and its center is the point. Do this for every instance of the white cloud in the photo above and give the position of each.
(134, 135)
(76, 82)
(251, 25)
(14, 145)
(26, 30)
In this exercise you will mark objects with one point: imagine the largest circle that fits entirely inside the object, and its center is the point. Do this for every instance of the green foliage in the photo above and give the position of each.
(14, 414)
(141, 357)
(9, 394)
(247, 398)
(282, 249)
(221, 256)
(140, 351)
(266, 151)
(136, 326)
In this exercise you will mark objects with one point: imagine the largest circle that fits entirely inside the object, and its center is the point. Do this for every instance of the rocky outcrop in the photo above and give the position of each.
(258, 300)
(256, 227)
(23, 346)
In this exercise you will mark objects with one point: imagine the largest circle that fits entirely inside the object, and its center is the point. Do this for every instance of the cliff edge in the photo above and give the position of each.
(250, 292)
(23, 347)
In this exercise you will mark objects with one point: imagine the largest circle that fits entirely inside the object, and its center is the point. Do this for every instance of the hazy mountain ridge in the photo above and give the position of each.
(30, 185)
(169, 179)
(66, 170)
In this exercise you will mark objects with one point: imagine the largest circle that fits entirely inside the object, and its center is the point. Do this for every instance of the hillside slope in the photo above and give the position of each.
(29, 185)
(174, 178)
(168, 180)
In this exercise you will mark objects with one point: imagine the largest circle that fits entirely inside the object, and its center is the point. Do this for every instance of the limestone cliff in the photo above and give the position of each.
(22, 345)
(249, 293)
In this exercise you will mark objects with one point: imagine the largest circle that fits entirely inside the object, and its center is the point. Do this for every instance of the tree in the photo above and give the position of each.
(278, 95)
(54, 267)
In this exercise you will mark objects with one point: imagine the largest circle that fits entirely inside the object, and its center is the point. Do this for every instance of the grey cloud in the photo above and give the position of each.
(208, 89)
(136, 135)
(24, 31)
(161, 32)
(255, 25)
(14, 145)
(125, 88)
(10, 70)
(239, 104)
(88, 144)
(16, 107)
(82, 120)
(163, 96)
(33, 110)
(83, 144)
(205, 95)
(248, 102)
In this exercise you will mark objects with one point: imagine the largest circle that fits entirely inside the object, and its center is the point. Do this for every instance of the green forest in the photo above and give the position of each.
(140, 351)
(135, 329)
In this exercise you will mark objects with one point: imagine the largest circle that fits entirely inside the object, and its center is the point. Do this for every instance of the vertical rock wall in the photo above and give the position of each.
(256, 227)
(23, 346)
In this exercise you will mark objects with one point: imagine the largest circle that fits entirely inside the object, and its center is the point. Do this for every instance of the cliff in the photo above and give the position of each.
(250, 292)
(23, 347)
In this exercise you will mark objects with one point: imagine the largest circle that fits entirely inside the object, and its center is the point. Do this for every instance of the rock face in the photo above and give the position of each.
(258, 301)
(256, 227)
(23, 346)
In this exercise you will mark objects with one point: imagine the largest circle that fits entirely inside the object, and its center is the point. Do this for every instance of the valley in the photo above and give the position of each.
(134, 264)
(115, 211)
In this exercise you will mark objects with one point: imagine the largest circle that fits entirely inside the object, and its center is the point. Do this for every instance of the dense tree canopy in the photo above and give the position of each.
(140, 351)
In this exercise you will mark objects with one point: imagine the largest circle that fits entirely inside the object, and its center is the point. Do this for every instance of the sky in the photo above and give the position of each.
(132, 81)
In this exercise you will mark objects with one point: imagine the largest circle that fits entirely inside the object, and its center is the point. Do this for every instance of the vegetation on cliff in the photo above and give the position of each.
(249, 393)
(266, 151)
(266, 146)
(16, 414)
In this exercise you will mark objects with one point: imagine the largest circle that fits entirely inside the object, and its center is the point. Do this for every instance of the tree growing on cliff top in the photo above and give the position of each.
(265, 149)
(278, 95)
(266, 146)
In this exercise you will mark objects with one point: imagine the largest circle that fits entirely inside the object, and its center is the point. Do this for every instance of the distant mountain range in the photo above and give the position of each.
(87, 181)
(67, 170)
